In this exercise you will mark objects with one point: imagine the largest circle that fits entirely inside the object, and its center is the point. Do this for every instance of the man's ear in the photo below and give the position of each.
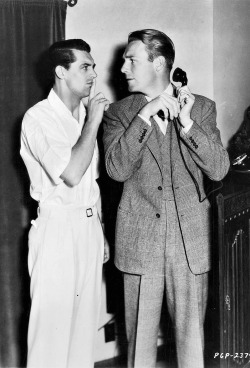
(60, 71)
(159, 63)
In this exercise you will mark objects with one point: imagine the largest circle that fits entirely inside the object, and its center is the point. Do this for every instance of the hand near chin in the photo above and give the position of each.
(97, 104)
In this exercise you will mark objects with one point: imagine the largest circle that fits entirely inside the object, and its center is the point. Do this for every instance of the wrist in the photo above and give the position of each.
(145, 113)
(186, 122)
(91, 124)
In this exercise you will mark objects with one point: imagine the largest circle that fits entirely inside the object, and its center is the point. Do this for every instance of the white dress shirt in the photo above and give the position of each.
(49, 131)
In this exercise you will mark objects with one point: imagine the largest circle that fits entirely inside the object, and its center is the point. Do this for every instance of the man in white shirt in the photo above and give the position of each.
(67, 246)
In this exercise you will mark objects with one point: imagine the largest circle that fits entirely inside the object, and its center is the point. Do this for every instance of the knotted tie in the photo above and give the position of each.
(161, 115)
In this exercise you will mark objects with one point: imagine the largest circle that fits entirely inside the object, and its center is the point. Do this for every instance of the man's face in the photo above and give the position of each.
(80, 75)
(139, 71)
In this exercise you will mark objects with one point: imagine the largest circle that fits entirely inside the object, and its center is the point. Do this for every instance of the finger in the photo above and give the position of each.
(183, 101)
(106, 106)
(166, 112)
(184, 88)
(169, 100)
(92, 90)
(185, 93)
(103, 101)
(186, 98)
(172, 105)
(182, 92)
(171, 114)
(99, 97)
(106, 255)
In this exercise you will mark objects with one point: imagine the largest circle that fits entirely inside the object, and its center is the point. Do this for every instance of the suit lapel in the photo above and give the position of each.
(174, 142)
(139, 101)
(152, 143)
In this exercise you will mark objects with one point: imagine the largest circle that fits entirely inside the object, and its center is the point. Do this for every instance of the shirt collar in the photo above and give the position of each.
(63, 110)
(169, 90)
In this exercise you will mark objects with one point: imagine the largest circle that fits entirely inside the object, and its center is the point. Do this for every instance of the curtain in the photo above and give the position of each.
(27, 28)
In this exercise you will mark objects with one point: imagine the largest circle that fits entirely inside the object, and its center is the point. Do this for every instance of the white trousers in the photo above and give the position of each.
(65, 266)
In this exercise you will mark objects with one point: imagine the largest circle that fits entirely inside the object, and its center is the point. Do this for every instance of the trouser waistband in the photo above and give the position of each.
(62, 211)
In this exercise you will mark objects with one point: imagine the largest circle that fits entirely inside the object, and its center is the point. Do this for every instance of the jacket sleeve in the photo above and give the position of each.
(124, 143)
(205, 146)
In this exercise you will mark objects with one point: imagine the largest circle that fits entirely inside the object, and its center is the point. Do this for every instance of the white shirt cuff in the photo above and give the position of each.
(146, 120)
(187, 128)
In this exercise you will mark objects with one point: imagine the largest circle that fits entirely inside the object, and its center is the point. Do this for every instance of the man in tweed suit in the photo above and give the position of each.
(163, 226)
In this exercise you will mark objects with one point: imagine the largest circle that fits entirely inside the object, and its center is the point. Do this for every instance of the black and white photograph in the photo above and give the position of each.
(125, 184)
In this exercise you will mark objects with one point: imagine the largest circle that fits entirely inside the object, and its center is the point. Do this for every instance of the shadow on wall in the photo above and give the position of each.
(43, 73)
(111, 192)
(117, 82)
(28, 212)
(240, 142)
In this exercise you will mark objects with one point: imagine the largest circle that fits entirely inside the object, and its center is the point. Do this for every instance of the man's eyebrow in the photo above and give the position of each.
(88, 64)
(128, 56)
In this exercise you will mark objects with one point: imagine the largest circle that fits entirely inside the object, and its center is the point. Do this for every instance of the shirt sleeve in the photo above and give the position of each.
(51, 149)
(55, 158)
(187, 128)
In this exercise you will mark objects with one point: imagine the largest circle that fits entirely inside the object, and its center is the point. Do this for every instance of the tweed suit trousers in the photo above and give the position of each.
(186, 296)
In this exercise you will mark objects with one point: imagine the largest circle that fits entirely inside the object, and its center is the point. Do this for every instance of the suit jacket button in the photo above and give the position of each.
(158, 215)
(160, 188)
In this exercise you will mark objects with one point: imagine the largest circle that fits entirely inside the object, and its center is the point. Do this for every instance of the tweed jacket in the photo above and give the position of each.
(132, 156)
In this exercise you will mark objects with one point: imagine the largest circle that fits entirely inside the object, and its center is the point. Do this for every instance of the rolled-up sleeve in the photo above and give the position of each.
(55, 158)
(51, 149)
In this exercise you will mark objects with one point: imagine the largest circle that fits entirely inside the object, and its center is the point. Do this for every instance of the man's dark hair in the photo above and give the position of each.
(157, 44)
(61, 53)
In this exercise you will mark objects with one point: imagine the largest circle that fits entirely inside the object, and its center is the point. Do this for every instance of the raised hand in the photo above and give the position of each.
(186, 101)
(168, 104)
(97, 104)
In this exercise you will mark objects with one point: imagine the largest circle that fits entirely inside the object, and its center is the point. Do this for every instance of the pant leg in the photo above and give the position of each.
(62, 256)
(87, 298)
(143, 302)
(186, 297)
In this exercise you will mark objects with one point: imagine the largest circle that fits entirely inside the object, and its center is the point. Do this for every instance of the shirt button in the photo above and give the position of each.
(160, 188)
(158, 215)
